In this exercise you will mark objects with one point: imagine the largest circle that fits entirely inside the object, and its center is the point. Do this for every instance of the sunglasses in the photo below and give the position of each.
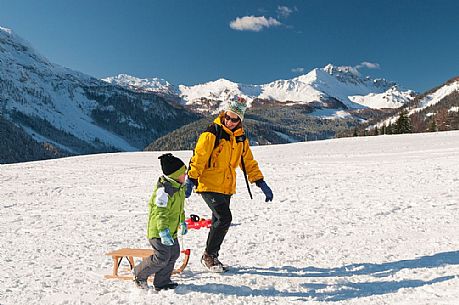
(234, 120)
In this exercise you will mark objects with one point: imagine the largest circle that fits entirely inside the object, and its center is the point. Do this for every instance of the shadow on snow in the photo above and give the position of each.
(377, 270)
(339, 291)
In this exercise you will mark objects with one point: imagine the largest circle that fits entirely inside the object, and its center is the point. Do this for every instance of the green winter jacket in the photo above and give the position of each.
(166, 207)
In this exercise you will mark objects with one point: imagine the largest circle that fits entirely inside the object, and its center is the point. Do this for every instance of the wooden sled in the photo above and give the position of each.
(130, 253)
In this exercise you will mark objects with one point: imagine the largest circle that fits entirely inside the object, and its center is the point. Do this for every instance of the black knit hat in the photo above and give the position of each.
(170, 164)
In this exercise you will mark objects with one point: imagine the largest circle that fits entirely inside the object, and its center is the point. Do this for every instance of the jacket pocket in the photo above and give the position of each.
(212, 178)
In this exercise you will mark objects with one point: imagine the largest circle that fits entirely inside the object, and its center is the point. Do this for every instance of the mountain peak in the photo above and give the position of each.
(153, 84)
(342, 83)
(14, 49)
(12, 38)
(128, 79)
(339, 70)
(221, 81)
(351, 75)
(5, 30)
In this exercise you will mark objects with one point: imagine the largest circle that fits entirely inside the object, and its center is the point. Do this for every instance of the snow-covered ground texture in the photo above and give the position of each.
(370, 220)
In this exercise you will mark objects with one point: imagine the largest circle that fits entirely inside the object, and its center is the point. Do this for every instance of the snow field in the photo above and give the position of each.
(354, 221)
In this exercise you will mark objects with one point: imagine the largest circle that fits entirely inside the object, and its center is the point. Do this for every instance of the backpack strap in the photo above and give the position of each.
(240, 139)
(219, 133)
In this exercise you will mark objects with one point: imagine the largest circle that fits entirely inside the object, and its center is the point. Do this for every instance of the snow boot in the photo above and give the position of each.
(211, 263)
(170, 285)
(141, 284)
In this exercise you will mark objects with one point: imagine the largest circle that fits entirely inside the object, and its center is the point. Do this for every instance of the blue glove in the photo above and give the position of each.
(166, 238)
(266, 190)
(190, 184)
(184, 227)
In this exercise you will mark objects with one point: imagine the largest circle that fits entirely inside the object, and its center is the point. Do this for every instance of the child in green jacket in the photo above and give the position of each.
(166, 214)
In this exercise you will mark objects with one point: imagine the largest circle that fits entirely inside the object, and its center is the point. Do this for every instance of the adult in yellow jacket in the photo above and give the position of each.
(212, 171)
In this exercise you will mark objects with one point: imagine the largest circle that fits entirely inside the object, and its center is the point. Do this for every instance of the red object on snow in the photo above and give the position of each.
(195, 222)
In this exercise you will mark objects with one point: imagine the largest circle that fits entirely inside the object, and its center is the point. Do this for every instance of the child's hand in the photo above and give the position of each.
(166, 238)
(184, 227)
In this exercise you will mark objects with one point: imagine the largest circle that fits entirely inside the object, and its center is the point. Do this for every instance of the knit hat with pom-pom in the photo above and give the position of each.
(238, 105)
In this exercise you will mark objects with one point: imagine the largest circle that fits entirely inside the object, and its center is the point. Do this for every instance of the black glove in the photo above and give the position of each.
(266, 190)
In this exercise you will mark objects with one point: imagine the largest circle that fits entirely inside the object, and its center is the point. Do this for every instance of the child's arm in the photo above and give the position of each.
(162, 202)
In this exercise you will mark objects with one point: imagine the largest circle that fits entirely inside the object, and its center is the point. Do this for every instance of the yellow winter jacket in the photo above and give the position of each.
(220, 175)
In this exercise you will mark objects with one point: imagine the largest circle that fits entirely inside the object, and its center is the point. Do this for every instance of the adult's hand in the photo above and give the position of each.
(265, 189)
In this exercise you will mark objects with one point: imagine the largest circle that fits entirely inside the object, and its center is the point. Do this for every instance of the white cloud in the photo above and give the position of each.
(349, 69)
(298, 70)
(252, 23)
(368, 65)
(284, 11)
(355, 70)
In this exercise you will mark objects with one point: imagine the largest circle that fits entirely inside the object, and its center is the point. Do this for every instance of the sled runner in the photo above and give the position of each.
(130, 253)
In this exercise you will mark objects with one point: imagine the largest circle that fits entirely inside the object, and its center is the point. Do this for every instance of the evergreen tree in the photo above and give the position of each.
(403, 123)
(376, 131)
(383, 129)
(389, 128)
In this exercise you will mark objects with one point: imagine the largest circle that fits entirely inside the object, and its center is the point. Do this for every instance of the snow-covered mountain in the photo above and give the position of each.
(437, 95)
(442, 100)
(336, 83)
(320, 86)
(74, 112)
(156, 85)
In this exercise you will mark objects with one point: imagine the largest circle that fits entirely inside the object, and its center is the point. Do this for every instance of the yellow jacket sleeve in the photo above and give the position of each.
(251, 165)
(201, 154)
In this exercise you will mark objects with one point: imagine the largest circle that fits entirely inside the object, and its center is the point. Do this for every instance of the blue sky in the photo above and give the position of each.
(414, 43)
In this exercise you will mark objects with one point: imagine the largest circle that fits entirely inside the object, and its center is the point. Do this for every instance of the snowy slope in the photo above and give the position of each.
(39, 88)
(437, 95)
(391, 98)
(429, 100)
(363, 221)
(320, 85)
(76, 112)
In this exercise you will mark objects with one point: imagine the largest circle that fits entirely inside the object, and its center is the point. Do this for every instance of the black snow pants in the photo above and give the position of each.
(221, 220)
